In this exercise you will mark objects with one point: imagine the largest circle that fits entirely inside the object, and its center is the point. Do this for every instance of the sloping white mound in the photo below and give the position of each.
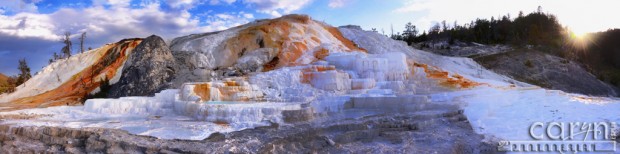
(376, 43)
(54, 75)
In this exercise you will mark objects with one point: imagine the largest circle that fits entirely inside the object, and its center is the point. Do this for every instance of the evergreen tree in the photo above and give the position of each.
(410, 33)
(444, 26)
(24, 70)
(536, 28)
(56, 56)
(66, 50)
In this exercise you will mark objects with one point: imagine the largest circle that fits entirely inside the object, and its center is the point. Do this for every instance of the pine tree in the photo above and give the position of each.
(56, 56)
(66, 50)
(444, 26)
(24, 70)
(539, 10)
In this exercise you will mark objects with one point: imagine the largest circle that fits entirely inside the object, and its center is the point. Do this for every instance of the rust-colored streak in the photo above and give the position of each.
(321, 53)
(306, 73)
(295, 50)
(222, 123)
(73, 91)
(348, 43)
(454, 81)
(231, 83)
(204, 91)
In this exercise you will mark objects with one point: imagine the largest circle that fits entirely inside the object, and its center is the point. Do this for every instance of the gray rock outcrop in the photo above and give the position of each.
(148, 70)
(547, 71)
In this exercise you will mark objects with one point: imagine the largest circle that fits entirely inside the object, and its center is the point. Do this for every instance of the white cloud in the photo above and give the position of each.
(224, 16)
(223, 21)
(216, 2)
(276, 7)
(36, 36)
(337, 3)
(119, 3)
(248, 16)
(179, 3)
(24, 25)
(111, 24)
(19, 6)
(112, 3)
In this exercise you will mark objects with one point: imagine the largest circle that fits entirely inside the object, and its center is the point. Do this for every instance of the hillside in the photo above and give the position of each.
(68, 81)
(530, 65)
(262, 45)
(548, 71)
(3, 79)
(4, 87)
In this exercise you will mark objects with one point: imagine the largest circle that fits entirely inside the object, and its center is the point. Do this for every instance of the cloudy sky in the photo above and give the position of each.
(31, 28)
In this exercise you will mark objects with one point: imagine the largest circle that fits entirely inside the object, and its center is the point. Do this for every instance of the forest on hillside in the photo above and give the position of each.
(598, 52)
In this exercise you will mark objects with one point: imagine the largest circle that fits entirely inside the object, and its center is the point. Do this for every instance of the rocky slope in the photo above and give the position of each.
(547, 71)
(147, 71)
(529, 66)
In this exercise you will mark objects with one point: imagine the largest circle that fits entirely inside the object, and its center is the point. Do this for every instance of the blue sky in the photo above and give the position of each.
(31, 28)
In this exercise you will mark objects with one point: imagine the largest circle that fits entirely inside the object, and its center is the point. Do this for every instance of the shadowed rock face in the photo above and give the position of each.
(547, 71)
(147, 71)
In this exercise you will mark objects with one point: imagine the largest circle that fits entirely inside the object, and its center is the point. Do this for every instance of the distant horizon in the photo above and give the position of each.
(31, 29)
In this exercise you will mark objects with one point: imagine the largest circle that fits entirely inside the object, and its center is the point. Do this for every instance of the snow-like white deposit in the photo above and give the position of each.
(54, 75)
(376, 43)
(205, 46)
(504, 113)
(162, 116)
(508, 114)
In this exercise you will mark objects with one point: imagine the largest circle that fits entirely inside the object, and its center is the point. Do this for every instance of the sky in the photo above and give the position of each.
(32, 29)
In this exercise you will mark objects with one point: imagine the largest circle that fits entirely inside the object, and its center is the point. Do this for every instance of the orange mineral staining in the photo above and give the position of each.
(454, 81)
(348, 43)
(74, 91)
(203, 91)
(321, 53)
(307, 71)
(292, 36)
(231, 89)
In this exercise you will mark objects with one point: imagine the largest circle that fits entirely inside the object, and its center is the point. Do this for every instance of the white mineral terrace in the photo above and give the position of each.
(353, 83)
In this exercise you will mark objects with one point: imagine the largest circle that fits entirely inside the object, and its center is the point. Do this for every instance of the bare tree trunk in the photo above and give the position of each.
(82, 42)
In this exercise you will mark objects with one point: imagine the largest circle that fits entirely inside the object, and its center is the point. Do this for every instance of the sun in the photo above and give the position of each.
(579, 38)
(579, 33)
